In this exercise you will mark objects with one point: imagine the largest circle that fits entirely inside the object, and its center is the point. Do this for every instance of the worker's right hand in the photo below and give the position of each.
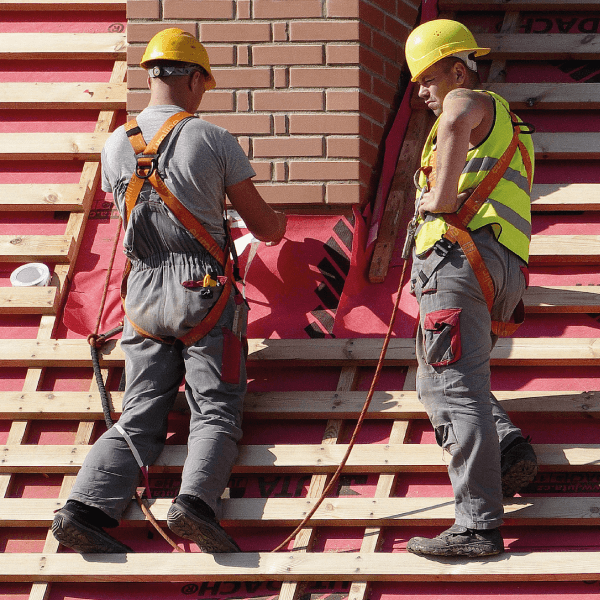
(282, 226)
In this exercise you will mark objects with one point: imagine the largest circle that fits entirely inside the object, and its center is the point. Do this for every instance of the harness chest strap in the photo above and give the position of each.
(458, 232)
(146, 169)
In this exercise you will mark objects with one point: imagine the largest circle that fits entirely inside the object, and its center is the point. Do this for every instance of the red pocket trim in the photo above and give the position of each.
(451, 317)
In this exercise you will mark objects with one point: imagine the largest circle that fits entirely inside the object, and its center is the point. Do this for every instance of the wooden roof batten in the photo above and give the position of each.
(318, 460)
(294, 566)
(325, 352)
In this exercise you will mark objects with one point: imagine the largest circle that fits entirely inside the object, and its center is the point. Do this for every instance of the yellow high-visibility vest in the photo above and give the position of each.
(508, 208)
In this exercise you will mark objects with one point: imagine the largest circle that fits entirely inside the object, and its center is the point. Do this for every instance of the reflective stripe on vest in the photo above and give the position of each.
(508, 208)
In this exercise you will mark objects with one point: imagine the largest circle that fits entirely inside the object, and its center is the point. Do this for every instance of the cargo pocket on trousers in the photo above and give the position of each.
(445, 438)
(442, 337)
(232, 357)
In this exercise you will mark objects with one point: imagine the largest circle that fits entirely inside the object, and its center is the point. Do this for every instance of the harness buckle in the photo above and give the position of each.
(144, 171)
(443, 246)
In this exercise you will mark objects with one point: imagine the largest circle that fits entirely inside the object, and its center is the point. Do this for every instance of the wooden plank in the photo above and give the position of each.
(562, 299)
(61, 95)
(373, 536)
(41, 197)
(36, 248)
(564, 249)
(62, 46)
(541, 46)
(566, 146)
(510, 24)
(565, 197)
(549, 96)
(309, 566)
(62, 5)
(324, 352)
(89, 179)
(540, 96)
(305, 538)
(346, 512)
(28, 300)
(299, 405)
(302, 458)
(521, 5)
(52, 146)
(401, 198)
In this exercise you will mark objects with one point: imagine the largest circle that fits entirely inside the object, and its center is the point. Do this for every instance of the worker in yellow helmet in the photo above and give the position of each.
(472, 229)
(169, 172)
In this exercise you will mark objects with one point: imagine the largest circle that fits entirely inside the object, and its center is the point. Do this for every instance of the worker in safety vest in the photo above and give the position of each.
(473, 227)
(169, 172)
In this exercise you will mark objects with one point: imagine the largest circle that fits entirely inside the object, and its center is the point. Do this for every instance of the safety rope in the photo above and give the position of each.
(361, 417)
(96, 341)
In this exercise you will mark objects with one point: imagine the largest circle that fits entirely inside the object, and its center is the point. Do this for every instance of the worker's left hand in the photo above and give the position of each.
(433, 203)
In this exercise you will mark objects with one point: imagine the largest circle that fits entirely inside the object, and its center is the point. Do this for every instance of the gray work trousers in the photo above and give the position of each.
(154, 371)
(454, 342)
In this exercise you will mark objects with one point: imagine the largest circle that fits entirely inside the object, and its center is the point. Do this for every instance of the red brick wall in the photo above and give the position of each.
(307, 86)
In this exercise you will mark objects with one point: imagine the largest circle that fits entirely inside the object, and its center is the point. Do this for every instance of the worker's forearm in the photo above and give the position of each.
(272, 230)
(266, 224)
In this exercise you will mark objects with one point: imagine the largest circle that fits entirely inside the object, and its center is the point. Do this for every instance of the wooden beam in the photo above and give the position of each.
(317, 566)
(401, 198)
(564, 249)
(301, 458)
(549, 96)
(324, 352)
(521, 5)
(28, 300)
(36, 248)
(63, 5)
(298, 405)
(565, 197)
(566, 146)
(61, 95)
(52, 146)
(541, 46)
(345, 512)
(540, 96)
(63, 46)
(41, 197)
(562, 299)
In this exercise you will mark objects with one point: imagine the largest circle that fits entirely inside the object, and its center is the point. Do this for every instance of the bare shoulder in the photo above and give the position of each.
(471, 99)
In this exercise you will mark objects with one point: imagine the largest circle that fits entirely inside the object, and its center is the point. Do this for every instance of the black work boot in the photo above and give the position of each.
(518, 466)
(74, 528)
(191, 518)
(459, 541)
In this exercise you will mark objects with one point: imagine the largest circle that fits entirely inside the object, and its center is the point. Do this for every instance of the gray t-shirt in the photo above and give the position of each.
(198, 161)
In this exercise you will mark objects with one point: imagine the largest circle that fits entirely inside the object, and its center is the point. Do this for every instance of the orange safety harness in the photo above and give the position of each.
(457, 223)
(147, 170)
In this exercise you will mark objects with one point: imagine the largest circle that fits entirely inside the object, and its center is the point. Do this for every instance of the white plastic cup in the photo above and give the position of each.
(29, 275)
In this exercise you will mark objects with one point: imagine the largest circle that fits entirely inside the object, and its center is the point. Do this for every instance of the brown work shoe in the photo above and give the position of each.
(201, 529)
(518, 466)
(459, 541)
(84, 537)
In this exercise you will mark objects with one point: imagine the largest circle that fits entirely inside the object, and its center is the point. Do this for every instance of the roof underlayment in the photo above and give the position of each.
(316, 327)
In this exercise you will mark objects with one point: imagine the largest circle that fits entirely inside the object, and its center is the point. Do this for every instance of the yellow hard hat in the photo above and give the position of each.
(434, 40)
(176, 44)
